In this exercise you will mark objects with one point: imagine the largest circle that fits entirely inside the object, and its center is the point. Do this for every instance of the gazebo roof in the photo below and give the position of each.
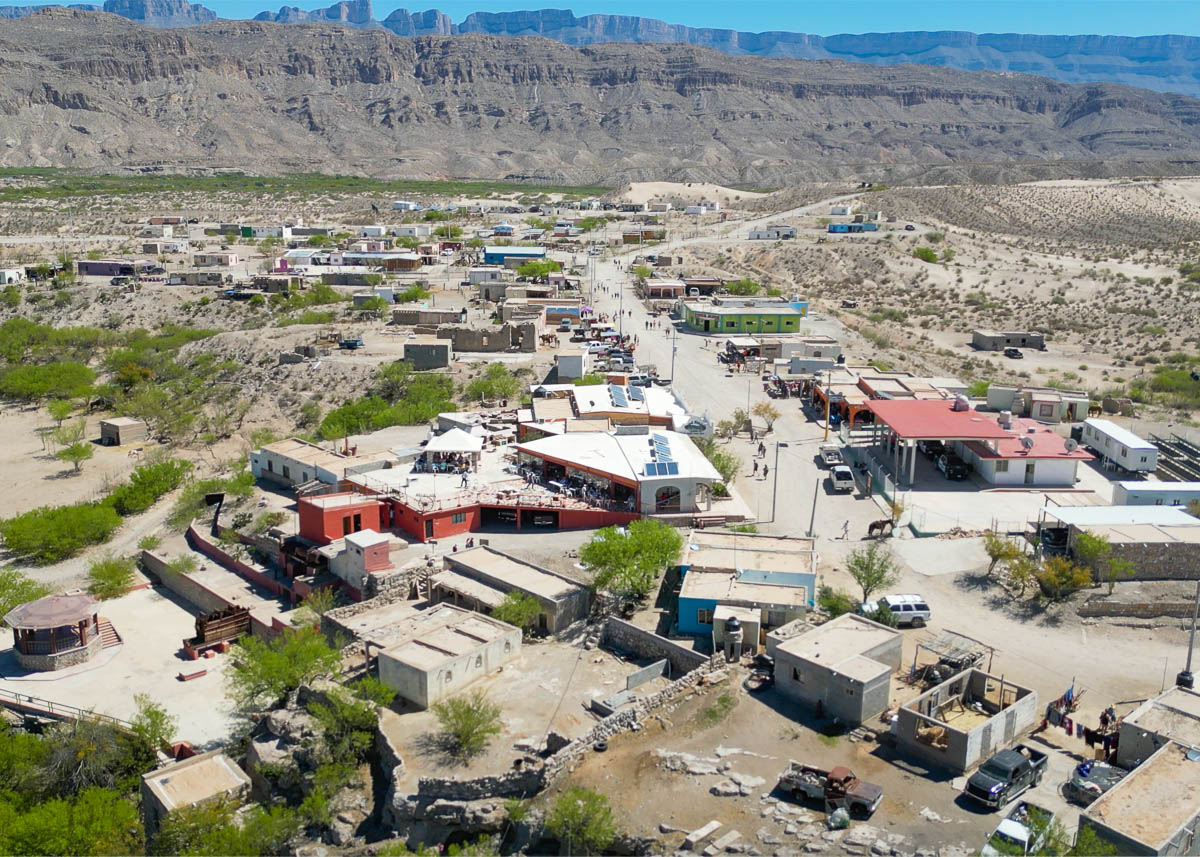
(53, 611)
(455, 440)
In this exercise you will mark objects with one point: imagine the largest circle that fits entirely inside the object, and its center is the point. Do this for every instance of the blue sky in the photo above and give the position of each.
(826, 17)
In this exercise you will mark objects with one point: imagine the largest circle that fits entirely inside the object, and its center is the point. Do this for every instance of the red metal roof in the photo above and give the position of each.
(916, 419)
(1046, 444)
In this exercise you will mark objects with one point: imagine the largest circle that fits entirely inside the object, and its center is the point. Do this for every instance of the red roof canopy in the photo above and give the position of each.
(917, 419)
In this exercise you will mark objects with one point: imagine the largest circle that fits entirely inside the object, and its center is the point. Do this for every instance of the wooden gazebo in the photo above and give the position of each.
(55, 632)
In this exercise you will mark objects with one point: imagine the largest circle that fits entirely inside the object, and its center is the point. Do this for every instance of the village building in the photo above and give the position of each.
(1044, 404)
(961, 722)
(772, 576)
(293, 462)
(117, 431)
(1155, 810)
(435, 652)
(743, 315)
(214, 260)
(995, 340)
(1001, 449)
(772, 232)
(112, 267)
(207, 778)
(511, 256)
(841, 668)
(1173, 715)
(479, 578)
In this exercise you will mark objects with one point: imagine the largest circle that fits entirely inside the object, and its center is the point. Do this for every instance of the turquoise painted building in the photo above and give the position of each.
(780, 596)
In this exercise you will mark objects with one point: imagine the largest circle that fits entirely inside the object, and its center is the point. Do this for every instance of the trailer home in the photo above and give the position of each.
(1119, 446)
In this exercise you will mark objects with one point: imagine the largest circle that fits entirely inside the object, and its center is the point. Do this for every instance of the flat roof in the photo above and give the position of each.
(196, 779)
(770, 309)
(517, 573)
(487, 595)
(1164, 487)
(625, 456)
(756, 589)
(121, 422)
(305, 452)
(367, 538)
(1157, 799)
(339, 501)
(514, 251)
(1174, 714)
(731, 551)
(918, 419)
(840, 645)
(1086, 516)
(444, 633)
(1147, 533)
(1120, 434)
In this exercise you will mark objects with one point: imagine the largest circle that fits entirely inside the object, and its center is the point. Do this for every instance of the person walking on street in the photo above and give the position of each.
(765, 469)
(755, 468)
(762, 450)
(846, 530)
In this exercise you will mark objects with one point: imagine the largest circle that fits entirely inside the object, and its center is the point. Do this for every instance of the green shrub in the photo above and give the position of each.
(190, 504)
(54, 533)
(110, 577)
(835, 602)
(147, 483)
(66, 380)
(411, 295)
(519, 610)
(468, 722)
(309, 316)
(926, 254)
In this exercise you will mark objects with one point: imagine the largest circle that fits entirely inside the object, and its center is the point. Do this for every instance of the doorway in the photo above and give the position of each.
(429, 528)
(1029, 469)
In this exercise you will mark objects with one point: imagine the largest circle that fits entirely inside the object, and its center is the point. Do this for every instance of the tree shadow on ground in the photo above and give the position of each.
(996, 597)
(438, 748)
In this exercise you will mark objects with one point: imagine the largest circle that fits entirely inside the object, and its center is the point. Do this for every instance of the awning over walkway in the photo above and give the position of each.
(460, 584)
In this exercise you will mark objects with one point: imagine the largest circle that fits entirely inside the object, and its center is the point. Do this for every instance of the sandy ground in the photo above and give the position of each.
(643, 192)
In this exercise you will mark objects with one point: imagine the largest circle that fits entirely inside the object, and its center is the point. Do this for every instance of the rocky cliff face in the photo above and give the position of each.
(92, 89)
(1160, 63)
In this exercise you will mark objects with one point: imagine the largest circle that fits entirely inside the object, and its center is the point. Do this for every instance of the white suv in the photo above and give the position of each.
(908, 609)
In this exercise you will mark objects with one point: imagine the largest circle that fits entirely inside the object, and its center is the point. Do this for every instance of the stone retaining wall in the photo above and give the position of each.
(61, 660)
(1099, 607)
(530, 782)
(1161, 560)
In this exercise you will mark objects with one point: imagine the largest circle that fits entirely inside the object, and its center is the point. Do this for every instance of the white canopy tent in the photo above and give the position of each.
(455, 440)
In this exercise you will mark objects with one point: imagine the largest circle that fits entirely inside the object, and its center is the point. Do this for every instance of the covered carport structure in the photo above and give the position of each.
(902, 423)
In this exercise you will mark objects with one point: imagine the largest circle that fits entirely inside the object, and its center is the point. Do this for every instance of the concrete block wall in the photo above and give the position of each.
(620, 634)
(1161, 561)
(1137, 610)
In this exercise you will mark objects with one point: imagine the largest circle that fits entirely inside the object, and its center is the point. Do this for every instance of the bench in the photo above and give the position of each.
(190, 676)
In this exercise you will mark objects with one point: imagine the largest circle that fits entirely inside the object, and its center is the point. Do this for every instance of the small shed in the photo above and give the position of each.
(211, 776)
(122, 430)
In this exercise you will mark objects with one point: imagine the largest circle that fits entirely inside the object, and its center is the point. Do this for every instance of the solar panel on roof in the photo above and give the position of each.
(672, 468)
(618, 396)
(659, 438)
(637, 394)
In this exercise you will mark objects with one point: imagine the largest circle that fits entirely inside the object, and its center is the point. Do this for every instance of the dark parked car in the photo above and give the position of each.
(932, 448)
(952, 466)
(908, 227)
(1014, 353)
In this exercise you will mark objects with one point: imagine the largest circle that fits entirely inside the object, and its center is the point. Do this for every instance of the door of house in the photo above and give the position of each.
(429, 529)
(1029, 469)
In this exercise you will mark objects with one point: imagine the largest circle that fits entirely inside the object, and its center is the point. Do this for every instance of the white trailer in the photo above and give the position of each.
(1155, 493)
(1118, 446)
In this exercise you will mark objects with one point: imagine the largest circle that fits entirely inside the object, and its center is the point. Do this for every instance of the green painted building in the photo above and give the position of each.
(776, 317)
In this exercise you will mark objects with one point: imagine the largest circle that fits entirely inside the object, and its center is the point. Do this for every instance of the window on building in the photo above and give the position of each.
(704, 617)
(287, 472)
(346, 526)
(1176, 502)
(458, 518)
(731, 324)
(478, 661)
(448, 677)
(797, 675)
(1001, 466)
(1158, 502)
(1046, 410)
(270, 466)
(849, 691)
(1143, 459)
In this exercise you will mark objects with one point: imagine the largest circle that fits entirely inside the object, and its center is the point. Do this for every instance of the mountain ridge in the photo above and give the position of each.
(94, 90)
(1167, 63)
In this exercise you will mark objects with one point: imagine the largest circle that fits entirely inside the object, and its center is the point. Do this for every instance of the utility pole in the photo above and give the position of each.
(1185, 678)
(674, 348)
(828, 394)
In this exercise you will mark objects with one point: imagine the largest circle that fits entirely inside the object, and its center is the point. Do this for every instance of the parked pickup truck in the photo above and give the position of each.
(1006, 776)
(831, 454)
(1022, 831)
(839, 786)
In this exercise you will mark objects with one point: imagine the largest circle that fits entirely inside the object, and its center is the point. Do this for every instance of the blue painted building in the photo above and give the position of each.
(773, 575)
(500, 255)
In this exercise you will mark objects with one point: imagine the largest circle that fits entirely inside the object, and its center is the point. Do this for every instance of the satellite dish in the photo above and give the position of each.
(1027, 442)
(1071, 444)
